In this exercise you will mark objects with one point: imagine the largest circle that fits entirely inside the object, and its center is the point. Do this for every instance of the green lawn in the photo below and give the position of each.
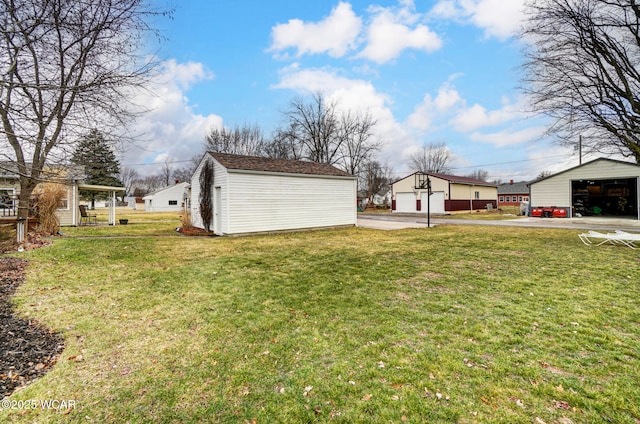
(450, 324)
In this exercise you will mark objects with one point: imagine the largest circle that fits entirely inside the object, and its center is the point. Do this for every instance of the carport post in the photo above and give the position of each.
(112, 209)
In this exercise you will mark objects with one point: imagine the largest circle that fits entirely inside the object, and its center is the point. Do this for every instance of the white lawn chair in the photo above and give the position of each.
(596, 238)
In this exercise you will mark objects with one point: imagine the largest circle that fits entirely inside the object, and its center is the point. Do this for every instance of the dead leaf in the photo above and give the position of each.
(366, 397)
(560, 404)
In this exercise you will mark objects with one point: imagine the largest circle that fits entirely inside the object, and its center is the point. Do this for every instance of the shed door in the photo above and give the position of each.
(406, 202)
(217, 211)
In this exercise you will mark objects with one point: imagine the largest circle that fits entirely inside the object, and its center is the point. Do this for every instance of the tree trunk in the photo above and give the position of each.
(24, 199)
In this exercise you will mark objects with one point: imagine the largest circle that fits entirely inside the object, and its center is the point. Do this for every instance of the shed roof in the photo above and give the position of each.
(254, 163)
(514, 188)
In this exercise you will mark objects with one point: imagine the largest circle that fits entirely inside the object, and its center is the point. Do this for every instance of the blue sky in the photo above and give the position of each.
(429, 71)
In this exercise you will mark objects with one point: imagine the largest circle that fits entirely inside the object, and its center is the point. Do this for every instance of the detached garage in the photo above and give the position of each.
(449, 193)
(235, 194)
(602, 187)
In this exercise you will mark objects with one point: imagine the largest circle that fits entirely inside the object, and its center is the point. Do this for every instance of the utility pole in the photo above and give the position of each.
(580, 150)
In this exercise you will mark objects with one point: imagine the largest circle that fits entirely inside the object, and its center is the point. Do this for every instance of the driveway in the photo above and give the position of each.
(397, 222)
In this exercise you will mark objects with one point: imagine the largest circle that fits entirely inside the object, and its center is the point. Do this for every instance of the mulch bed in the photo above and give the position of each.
(27, 350)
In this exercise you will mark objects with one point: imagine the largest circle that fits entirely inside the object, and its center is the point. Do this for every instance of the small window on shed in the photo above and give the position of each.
(173, 203)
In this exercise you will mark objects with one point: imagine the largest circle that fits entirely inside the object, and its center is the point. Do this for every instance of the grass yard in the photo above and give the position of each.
(453, 324)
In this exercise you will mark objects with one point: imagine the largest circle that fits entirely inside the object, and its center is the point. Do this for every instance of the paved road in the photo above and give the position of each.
(396, 222)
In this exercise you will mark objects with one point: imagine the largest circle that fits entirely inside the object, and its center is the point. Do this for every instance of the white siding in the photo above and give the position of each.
(219, 180)
(159, 201)
(556, 190)
(271, 202)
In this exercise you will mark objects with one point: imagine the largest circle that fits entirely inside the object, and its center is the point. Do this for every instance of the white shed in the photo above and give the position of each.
(600, 187)
(168, 199)
(244, 194)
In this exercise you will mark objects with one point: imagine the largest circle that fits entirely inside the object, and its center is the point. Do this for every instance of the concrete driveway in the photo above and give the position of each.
(398, 222)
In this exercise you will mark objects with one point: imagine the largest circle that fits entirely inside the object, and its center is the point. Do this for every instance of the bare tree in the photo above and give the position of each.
(128, 176)
(432, 157)
(375, 177)
(283, 145)
(64, 66)
(317, 130)
(357, 141)
(583, 71)
(246, 140)
(166, 173)
(480, 174)
(148, 184)
(314, 127)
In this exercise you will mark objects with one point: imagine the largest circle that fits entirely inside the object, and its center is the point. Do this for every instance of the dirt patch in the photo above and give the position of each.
(27, 350)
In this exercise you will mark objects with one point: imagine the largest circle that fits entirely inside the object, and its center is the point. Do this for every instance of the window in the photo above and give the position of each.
(514, 199)
(520, 199)
(173, 203)
(6, 198)
(477, 195)
(501, 199)
(64, 201)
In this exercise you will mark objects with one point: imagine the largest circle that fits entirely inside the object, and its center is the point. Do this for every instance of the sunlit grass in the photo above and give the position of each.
(448, 324)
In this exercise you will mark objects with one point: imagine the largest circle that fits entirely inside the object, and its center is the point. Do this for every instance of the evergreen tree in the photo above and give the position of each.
(101, 166)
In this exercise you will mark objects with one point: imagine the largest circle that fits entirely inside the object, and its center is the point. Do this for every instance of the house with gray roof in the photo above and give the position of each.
(236, 194)
(513, 194)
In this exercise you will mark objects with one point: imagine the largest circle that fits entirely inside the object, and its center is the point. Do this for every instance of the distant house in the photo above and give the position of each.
(167, 199)
(246, 194)
(513, 194)
(600, 187)
(449, 193)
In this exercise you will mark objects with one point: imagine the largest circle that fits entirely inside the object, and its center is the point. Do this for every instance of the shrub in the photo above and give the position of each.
(48, 199)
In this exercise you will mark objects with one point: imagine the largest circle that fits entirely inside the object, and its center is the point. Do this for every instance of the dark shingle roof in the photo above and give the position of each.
(515, 188)
(254, 163)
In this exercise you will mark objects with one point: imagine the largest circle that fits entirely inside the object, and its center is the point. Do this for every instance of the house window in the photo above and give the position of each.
(514, 199)
(477, 195)
(520, 199)
(6, 198)
(501, 199)
(526, 199)
(173, 203)
(64, 201)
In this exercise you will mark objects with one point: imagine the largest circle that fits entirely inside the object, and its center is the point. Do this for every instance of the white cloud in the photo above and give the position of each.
(355, 95)
(391, 31)
(498, 18)
(510, 137)
(447, 100)
(334, 35)
(170, 128)
(477, 116)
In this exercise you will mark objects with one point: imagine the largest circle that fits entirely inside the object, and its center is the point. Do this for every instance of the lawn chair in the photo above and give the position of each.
(618, 238)
(86, 216)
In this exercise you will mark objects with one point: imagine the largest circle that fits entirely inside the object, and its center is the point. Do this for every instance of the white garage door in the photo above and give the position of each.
(436, 204)
(406, 202)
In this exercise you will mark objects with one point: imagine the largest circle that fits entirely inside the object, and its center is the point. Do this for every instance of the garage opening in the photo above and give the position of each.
(614, 197)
